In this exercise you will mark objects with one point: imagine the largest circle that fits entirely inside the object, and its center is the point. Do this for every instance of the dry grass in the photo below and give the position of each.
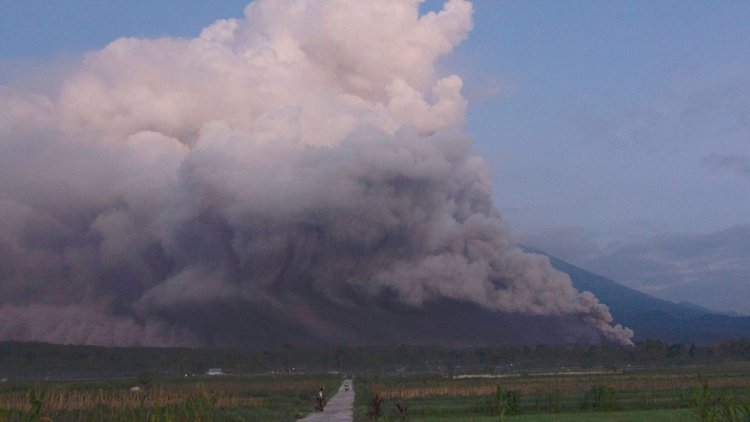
(54, 399)
(254, 398)
(537, 385)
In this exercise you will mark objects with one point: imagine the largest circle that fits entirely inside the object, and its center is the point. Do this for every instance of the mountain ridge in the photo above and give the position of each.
(653, 318)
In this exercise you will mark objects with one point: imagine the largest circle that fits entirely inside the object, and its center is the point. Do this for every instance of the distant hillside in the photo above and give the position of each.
(655, 318)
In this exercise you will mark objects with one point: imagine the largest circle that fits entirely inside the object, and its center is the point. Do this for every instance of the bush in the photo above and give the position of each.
(600, 397)
(402, 411)
(506, 402)
(713, 408)
(375, 411)
(703, 399)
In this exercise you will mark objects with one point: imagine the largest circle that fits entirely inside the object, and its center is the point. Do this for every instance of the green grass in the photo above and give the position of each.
(658, 395)
(661, 415)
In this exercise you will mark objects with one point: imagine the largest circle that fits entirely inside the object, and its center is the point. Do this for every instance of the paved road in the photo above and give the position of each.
(339, 407)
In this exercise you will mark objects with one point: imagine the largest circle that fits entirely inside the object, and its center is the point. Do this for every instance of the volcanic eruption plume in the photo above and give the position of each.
(194, 191)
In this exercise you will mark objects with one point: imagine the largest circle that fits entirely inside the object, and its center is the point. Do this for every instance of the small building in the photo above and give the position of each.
(215, 372)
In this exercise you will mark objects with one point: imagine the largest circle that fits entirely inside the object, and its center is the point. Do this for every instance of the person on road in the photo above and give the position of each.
(321, 399)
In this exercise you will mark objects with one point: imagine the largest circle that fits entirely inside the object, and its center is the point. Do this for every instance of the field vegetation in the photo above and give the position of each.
(721, 393)
(256, 398)
(651, 381)
(41, 360)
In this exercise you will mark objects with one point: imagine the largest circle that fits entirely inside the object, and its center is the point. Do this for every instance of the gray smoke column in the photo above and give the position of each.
(307, 150)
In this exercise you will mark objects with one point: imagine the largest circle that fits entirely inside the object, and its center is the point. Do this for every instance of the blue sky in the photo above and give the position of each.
(618, 132)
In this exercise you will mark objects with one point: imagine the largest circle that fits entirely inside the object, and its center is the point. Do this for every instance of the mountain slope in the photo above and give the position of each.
(319, 322)
(655, 318)
(316, 321)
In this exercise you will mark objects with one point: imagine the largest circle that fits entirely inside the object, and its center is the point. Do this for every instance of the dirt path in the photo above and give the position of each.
(339, 407)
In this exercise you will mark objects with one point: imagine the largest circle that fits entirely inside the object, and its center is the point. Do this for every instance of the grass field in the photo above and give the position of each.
(720, 393)
(231, 398)
(662, 415)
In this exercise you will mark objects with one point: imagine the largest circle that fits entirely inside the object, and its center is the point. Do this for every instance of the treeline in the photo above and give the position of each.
(62, 361)
(649, 353)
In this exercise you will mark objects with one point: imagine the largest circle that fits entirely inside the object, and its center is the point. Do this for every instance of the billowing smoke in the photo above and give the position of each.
(309, 150)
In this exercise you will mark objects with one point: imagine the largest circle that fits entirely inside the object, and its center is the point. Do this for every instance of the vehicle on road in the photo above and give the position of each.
(320, 400)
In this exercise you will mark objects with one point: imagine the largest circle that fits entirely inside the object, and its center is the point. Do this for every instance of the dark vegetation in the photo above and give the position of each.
(42, 360)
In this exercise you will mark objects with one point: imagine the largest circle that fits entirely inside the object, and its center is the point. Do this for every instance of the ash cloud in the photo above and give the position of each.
(176, 189)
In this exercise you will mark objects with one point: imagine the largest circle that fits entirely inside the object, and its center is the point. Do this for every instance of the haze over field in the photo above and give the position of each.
(309, 149)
